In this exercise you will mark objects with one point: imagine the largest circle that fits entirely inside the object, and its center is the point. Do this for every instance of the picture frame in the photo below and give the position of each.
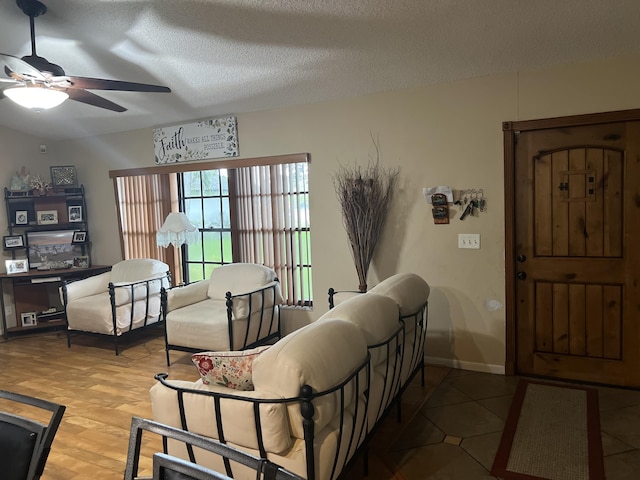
(79, 236)
(75, 213)
(18, 265)
(51, 247)
(63, 176)
(29, 319)
(47, 217)
(81, 261)
(22, 217)
(13, 241)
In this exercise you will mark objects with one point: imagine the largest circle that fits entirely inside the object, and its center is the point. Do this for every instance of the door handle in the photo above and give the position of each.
(521, 275)
(522, 258)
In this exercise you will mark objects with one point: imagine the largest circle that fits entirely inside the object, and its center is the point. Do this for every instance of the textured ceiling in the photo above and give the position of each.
(232, 56)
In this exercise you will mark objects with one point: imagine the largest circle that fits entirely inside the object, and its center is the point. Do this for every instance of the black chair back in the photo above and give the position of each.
(25, 443)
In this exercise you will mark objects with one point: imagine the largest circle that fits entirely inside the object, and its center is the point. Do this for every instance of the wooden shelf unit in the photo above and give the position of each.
(38, 291)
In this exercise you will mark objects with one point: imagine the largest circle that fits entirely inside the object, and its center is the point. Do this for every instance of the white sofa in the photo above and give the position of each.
(235, 309)
(116, 302)
(318, 392)
(410, 292)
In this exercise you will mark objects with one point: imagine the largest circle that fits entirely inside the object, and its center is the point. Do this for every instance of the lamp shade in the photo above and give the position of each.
(36, 97)
(177, 229)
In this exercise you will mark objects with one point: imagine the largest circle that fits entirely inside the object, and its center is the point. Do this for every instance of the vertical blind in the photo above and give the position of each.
(270, 205)
(143, 205)
(273, 224)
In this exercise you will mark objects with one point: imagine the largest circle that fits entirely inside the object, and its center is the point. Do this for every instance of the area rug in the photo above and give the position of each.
(552, 432)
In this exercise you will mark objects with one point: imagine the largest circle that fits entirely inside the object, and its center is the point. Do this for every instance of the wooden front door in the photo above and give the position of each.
(576, 260)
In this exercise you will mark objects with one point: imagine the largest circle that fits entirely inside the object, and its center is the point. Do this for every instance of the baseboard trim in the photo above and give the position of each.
(464, 365)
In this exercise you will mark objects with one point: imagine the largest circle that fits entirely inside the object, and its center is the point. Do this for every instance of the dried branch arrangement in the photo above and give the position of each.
(365, 195)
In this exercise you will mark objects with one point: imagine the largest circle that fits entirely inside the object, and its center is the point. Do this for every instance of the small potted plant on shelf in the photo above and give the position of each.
(39, 185)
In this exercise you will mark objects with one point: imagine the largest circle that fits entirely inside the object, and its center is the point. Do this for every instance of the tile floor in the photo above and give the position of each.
(454, 435)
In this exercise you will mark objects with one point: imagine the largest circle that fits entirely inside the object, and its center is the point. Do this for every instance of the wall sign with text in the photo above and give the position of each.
(213, 138)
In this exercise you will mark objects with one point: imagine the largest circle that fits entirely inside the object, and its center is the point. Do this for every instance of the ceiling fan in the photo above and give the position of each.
(32, 75)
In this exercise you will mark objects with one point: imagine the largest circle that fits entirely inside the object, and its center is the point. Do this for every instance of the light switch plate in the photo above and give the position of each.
(469, 240)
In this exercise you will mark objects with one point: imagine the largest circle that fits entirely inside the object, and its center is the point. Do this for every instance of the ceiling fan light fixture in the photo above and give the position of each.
(36, 97)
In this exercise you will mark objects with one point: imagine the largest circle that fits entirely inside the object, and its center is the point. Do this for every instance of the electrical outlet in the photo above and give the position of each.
(469, 240)
(8, 310)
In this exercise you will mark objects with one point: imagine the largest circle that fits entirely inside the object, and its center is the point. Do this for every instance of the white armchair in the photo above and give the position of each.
(117, 302)
(235, 309)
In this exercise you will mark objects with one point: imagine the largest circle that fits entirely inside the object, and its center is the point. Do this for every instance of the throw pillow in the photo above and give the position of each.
(229, 369)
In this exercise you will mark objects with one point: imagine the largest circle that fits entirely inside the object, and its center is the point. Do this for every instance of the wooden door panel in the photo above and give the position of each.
(594, 320)
(575, 199)
(577, 316)
(560, 318)
(578, 293)
(544, 206)
(612, 331)
(544, 317)
(570, 214)
(560, 210)
(594, 214)
(612, 182)
(578, 319)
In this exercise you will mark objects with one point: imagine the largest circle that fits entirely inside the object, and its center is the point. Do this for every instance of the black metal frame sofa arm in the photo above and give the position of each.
(250, 319)
(411, 294)
(302, 415)
(236, 308)
(308, 411)
(110, 305)
(350, 434)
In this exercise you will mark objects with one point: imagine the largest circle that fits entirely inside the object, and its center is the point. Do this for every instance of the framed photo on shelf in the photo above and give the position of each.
(19, 265)
(79, 236)
(47, 217)
(13, 241)
(48, 247)
(63, 176)
(22, 217)
(81, 261)
(75, 213)
(29, 319)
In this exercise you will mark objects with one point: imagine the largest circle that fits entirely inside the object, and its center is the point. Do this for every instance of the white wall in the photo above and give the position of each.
(437, 135)
(18, 150)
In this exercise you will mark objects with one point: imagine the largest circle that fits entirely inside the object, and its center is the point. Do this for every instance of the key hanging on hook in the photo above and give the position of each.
(467, 211)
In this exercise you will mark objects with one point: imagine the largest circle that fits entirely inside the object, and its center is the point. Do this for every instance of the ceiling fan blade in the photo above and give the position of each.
(19, 66)
(104, 84)
(92, 99)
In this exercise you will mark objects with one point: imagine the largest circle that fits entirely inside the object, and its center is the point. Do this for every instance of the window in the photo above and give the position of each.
(256, 214)
(205, 197)
(246, 210)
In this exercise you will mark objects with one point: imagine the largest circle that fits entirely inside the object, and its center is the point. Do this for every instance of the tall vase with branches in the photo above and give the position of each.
(365, 195)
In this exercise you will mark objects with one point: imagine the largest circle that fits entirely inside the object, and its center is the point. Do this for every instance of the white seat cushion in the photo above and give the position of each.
(237, 415)
(202, 325)
(93, 314)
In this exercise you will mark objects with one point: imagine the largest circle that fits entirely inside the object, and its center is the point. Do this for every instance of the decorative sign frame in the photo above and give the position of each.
(213, 138)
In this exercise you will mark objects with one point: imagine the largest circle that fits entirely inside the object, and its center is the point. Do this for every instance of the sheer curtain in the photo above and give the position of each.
(273, 224)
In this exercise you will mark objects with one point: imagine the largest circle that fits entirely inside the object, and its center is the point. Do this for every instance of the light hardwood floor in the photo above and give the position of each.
(103, 391)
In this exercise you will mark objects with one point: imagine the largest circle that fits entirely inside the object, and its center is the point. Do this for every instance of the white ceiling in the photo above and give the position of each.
(232, 56)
